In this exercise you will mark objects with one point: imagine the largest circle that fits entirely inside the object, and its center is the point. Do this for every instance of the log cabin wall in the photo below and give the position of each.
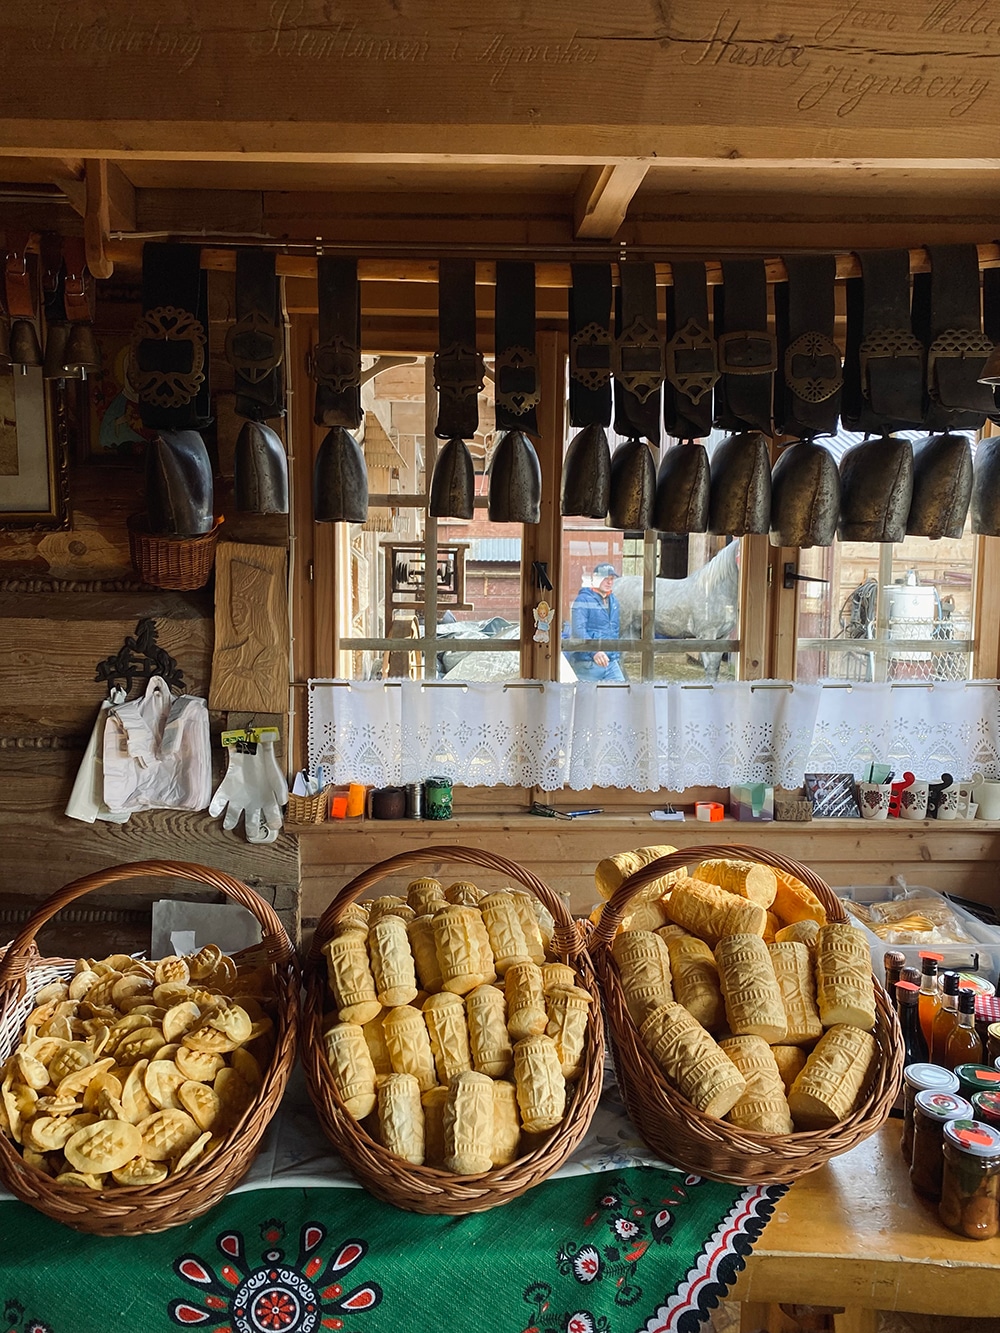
(691, 129)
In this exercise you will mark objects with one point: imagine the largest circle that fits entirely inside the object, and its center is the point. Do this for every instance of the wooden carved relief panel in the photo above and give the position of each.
(250, 661)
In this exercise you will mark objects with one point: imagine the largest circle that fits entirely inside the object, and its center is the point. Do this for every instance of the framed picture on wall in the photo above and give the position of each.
(34, 451)
(114, 428)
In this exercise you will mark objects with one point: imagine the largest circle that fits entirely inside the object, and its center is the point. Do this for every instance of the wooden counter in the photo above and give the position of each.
(854, 1234)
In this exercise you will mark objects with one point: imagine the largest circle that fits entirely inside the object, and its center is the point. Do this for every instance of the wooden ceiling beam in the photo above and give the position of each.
(602, 198)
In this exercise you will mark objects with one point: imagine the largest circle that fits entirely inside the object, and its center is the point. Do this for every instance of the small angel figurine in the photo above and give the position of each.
(543, 614)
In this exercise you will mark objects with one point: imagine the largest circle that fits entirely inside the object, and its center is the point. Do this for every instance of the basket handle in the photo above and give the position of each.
(567, 940)
(604, 932)
(15, 964)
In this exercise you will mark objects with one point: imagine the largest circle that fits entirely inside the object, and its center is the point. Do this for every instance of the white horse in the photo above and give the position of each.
(705, 605)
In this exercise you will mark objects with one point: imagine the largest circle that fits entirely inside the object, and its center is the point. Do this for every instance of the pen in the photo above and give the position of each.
(572, 814)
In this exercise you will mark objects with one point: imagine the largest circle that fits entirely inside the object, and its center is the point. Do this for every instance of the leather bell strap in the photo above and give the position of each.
(991, 324)
(254, 345)
(884, 359)
(638, 362)
(80, 294)
(337, 358)
(170, 341)
(50, 251)
(691, 367)
(19, 277)
(515, 369)
(947, 317)
(590, 342)
(458, 364)
(808, 380)
(746, 351)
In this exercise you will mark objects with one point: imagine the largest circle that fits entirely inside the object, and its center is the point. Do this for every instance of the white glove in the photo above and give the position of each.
(255, 788)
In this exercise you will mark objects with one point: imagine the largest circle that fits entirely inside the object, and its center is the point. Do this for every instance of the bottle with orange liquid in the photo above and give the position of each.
(946, 1017)
(964, 1044)
(930, 994)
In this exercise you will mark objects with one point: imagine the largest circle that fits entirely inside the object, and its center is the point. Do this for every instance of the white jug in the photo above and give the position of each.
(987, 793)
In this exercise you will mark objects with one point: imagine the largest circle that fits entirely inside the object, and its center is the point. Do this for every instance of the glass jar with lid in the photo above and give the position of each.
(921, 1077)
(986, 1106)
(970, 1184)
(932, 1111)
(975, 1078)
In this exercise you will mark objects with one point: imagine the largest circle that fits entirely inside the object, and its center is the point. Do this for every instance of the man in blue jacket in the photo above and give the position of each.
(595, 615)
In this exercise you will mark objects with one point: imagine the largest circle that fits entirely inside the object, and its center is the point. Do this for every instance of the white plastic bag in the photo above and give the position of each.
(86, 800)
(157, 752)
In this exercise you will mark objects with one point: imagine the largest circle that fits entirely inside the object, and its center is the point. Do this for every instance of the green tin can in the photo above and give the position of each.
(437, 798)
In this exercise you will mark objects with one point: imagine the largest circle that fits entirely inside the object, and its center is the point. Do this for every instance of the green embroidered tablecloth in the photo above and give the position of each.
(612, 1242)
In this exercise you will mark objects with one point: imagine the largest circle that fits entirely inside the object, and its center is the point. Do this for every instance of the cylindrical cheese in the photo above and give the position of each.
(506, 1123)
(401, 1117)
(392, 962)
(711, 913)
(434, 1100)
(643, 962)
(795, 901)
(352, 1069)
(489, 1040)
(425, 895)
(350, 978)
(374, 1032)
(541, 1088)
(468, 1124)
(746, 879)
(763, 1106)
(456, 938)
(793, 970)
(695, 979)
(557, 974)
(834, 1076)
(649, 915)
(409, 1045)
(754, 1007)
(799, 932)
(444, 1015)
(692, 1061)
(534, 937)
(845, 992)
(503, 925)
(790, 1060)
(380, 907)
(611, 873)
(525, 1000)
(463, 893)
(568, 1009)
(421, 936)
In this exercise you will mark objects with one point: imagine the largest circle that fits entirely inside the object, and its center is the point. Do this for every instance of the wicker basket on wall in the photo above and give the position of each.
(668, 1122)
(128, 1210)
(178, 563)
(424, 1189)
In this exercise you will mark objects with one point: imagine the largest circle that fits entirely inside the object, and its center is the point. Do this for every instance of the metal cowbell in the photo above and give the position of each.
(180, 493)
(986, 488)
(942, 486)
(260, 470)
(56, 338)
(453, 485)
(586, 479)
(633, 487)
(340, 479)
(805, 496)
(4, 342)
(25, 349)
(515, 494)
(682, 490)
(876, 488)
(82, 356)
(740, 499)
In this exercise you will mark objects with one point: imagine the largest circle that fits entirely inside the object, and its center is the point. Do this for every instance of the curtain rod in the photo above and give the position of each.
(419, 262)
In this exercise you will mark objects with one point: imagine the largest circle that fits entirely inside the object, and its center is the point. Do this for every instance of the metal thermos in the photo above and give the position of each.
(414, 800)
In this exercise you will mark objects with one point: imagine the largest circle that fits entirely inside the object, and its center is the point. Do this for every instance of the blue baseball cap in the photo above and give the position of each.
(606, 571)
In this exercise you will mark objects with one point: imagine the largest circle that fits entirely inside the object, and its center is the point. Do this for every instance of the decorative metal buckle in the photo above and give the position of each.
(590, 356)
(515, 378)
(253, 346)
(337, 364)
(887, 345)
(955, 344)
(750, 352)
(809, 373)
(173, 387)
(458, 371)
(638, 359)
(692, 367)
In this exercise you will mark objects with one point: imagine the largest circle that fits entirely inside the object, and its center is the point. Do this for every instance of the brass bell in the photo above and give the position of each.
(260, 470)
(56, 337)
(942, 486)
(340, 479)
(25, 349)
(986, 488)
(805, 496)
(876, 488)
(682, 490)
(633, 487)
(586, 480)
(515, 494)
(453, 485)
(82, 356)
(740, 499)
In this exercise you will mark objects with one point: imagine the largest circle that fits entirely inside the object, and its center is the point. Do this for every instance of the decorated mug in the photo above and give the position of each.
(949, 802)
(913, 800)
(873, 799)
(986, 793)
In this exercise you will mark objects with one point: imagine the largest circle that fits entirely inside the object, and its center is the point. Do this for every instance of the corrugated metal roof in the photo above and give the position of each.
(495, 550)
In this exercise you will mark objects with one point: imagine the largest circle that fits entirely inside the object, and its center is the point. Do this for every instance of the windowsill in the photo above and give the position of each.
(666, 829)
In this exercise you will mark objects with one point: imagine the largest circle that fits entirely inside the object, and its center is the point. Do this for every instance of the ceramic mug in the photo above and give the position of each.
(873, 799)
(986, 792)
(934, 790)
(949, 802)
(913, 800)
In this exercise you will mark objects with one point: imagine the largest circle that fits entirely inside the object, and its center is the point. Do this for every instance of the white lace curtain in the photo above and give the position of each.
(646, 737)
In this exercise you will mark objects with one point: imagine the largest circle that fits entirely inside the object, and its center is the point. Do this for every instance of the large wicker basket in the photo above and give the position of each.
(135, 1210)
(423, 1189)
(181, 563)
(671, 1125)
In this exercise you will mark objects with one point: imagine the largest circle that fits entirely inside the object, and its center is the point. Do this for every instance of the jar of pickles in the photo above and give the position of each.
(921, 1077)
(932, 1111)
(993, 1044)
(970, 1184)
(975, 1078)
(986, 1106)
